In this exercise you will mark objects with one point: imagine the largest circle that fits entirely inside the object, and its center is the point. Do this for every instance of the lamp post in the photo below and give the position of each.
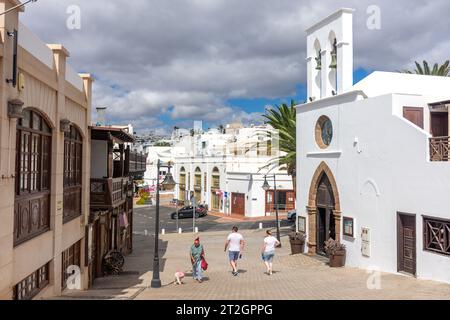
(266, 187)
(169, 184)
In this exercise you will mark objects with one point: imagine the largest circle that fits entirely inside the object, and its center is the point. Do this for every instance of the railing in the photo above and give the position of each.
(439, 148)
(107, 192)
(138, 162)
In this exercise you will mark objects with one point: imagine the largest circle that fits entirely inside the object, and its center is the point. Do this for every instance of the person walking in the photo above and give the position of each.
(235, 245)
(268, 251)
(197, 254)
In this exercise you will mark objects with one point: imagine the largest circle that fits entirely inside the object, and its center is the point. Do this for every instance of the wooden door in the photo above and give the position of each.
(407, 243)
(415, 115)
(439, 124)
(238, 203)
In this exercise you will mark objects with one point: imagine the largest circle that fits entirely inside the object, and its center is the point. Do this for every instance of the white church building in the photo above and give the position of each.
(373, 160)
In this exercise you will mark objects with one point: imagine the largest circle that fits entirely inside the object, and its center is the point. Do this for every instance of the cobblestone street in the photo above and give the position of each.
(296, 277)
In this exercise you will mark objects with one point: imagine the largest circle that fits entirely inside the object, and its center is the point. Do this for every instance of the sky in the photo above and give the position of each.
(159, 64)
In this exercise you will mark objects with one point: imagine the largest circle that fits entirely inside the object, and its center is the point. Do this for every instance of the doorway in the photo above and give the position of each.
(406, 243)
(326, 221)
(439, 124)
(238, 204)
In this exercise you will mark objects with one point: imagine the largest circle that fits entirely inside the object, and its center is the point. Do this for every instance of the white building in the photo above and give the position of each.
(372, 170)
(225, 170)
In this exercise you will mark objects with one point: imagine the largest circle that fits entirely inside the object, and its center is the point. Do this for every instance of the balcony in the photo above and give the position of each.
(108, 193)
(138, 164)
(439, 148)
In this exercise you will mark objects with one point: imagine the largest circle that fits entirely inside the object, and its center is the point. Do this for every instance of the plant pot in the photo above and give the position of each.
(297, 246)
(337, 260)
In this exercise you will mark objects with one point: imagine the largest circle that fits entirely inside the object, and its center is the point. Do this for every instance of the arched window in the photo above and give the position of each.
(73, 148)
(198, 185)
(182, 193)
(33, 170)
(215, 190)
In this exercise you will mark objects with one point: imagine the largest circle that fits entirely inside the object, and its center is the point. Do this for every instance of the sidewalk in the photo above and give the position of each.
(297, 277)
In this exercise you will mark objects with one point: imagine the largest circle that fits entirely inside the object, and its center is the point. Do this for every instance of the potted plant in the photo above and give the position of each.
(336, 252)
(297, 240)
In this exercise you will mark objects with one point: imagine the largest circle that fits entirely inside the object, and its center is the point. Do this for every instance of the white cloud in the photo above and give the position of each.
(185, 58)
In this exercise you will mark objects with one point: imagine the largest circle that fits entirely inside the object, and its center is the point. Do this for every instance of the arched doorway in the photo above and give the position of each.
(215, 190)
(324, 210)
(182, 185)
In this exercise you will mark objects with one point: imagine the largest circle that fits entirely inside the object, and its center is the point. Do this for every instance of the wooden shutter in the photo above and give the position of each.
(415, 115)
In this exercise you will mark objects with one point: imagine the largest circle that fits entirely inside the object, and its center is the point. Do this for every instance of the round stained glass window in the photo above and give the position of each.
(324, 132)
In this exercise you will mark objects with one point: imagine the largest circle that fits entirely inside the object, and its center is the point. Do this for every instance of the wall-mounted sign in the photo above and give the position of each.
(302, 224)
(365, 242)
(348, 227)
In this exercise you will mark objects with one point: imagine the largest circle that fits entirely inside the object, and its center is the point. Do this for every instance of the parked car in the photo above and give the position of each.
(187, 212)
(292, 215)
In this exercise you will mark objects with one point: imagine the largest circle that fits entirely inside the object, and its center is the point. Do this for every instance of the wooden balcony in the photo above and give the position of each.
(108, 193)
(439, 148)
(138, 163)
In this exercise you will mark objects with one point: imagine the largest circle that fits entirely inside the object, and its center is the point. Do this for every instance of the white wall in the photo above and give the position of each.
(31, 42)
(387, 172)
(99, 159)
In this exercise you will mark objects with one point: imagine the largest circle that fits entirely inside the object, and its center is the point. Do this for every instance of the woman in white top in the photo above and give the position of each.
(268, 251)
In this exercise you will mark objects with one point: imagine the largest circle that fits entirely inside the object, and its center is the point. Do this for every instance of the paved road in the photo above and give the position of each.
(208, 223)
(297, 277)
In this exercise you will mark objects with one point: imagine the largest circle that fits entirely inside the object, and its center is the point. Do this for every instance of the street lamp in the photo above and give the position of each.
(266, 187)
(168, 184)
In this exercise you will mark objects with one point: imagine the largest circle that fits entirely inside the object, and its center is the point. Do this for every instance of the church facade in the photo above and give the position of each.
(373, 166)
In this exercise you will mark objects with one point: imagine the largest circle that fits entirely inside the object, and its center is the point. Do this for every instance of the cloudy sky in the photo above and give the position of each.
(165, 63)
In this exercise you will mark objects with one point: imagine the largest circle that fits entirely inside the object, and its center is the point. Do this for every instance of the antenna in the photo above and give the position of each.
(101, 116)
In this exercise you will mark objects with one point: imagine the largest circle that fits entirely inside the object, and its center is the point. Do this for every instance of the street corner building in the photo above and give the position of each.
(373, 160)
(225, 169)
(44, 164)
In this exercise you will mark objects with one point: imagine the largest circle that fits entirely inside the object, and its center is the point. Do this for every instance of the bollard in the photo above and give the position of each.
(163, 231)
(260, 226)
(196, 229)
(146, 233)
(180, 231)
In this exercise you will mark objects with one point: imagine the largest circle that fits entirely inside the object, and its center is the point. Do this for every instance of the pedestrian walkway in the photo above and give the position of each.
(297, 277)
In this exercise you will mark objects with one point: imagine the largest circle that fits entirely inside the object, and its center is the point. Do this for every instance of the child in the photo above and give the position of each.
(179, 276)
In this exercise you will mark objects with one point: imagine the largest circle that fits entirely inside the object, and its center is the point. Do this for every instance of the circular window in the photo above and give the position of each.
(324, 132)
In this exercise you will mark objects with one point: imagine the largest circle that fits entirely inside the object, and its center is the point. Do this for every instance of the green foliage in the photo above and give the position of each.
(162, 144)
(437, 70)
(283, 118)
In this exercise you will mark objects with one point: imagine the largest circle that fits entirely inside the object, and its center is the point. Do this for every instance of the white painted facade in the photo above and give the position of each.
(380, 162)
(235, 157)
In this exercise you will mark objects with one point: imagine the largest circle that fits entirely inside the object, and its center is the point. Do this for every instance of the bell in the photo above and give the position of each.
(319, 64)
(319, 61)
(333, 64)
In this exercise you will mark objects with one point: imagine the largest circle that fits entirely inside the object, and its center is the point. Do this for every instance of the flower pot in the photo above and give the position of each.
(297, 246)
(337, 260)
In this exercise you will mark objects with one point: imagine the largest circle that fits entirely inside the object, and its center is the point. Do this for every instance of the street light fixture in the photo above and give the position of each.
(266, 187)
(169, 184)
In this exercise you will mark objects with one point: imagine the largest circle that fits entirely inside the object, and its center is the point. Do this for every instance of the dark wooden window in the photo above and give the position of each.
(436, 235)
(73, 146)
(33, 169)
(29, 287)
(415, 115)
(70, 257)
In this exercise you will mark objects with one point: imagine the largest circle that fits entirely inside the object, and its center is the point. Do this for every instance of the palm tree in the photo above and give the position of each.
(283, 119)
(438, 70)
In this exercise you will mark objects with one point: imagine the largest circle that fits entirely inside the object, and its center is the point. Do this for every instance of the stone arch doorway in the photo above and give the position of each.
(324, 210)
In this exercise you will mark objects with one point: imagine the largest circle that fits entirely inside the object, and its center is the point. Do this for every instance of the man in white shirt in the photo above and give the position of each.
(235, 245)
